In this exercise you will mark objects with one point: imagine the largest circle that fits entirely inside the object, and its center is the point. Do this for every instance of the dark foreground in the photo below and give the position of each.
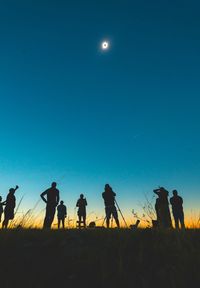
(99, 258)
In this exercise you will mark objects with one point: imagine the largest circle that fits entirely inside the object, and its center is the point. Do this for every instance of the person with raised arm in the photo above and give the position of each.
(10, 204)
(162, 208)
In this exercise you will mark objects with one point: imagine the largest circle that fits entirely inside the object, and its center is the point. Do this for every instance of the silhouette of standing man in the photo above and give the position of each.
(10, 207)
(110, 209)
(62, 214)
(52, 200)
(81, 204)
(177, 209)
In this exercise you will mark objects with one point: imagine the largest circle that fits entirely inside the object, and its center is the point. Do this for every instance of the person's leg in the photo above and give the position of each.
(63, 223)
(108, 215)
(58, 223)
(79, 220)
(176, 220)
(167, 222)
(5, 223)
(45, 224)
(84, 220)
(51, 215)
(115, 215)
(181, 218)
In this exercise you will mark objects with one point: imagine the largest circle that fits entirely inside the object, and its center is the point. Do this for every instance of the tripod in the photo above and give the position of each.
(120, 214)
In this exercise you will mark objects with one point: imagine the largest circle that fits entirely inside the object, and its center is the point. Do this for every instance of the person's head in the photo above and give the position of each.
(81, 196)
(53, 184)
(0, 198)
(107, 188)
(175, 193)
(12, 190)
(61, 202)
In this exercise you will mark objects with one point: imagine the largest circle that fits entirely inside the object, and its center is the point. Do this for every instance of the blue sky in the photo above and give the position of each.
(74, 114)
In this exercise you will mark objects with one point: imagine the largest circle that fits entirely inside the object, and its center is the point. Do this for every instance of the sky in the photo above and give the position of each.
(72, 113)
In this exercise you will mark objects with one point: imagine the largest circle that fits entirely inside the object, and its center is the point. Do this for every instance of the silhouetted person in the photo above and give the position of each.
(1, 208)
(81, 204)
(52, 200)
(162, 208)
(177, 209)
(158, 209)
(62, 214)
(9, 207)
(110, 209)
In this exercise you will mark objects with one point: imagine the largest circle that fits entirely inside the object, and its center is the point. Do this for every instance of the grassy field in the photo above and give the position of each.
(100, 258)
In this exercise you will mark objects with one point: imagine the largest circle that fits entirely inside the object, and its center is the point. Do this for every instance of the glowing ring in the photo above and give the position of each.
(105, 45)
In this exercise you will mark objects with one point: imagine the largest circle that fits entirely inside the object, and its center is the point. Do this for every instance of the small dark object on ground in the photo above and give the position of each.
(135, 226)
(92, 224)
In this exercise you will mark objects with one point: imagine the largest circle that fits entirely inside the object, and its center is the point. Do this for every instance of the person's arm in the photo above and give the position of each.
(77, 203)
(42, 196)
(85, 202)
(156, 191)
(14, 202)
(16, 187)
(65, 211)
(114, 194)
(58, 197)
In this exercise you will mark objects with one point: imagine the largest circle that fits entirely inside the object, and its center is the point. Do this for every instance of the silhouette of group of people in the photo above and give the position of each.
(51, 197)
(163, 211)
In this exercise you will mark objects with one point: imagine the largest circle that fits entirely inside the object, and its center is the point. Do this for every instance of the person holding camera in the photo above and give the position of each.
(110, 209)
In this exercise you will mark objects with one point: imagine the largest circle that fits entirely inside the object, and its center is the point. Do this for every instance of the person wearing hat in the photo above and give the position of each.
(81, 204)
(177, 209)
(162, 208)
(110, 209)
(10, 204)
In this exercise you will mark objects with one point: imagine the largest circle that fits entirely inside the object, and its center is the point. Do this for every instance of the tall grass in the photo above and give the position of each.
(33, 218)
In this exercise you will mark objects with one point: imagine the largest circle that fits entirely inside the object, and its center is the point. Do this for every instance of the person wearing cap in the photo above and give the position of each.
(51, 200)
(10, 204)
(62, 214)
(81, 204)
(110, 209)
(177, 209)
(162, 208)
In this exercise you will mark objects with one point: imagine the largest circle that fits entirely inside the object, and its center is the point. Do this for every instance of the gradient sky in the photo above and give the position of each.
(82, 117)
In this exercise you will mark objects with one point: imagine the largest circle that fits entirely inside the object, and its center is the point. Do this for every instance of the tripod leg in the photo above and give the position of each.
(121, 213)
(103, 221)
